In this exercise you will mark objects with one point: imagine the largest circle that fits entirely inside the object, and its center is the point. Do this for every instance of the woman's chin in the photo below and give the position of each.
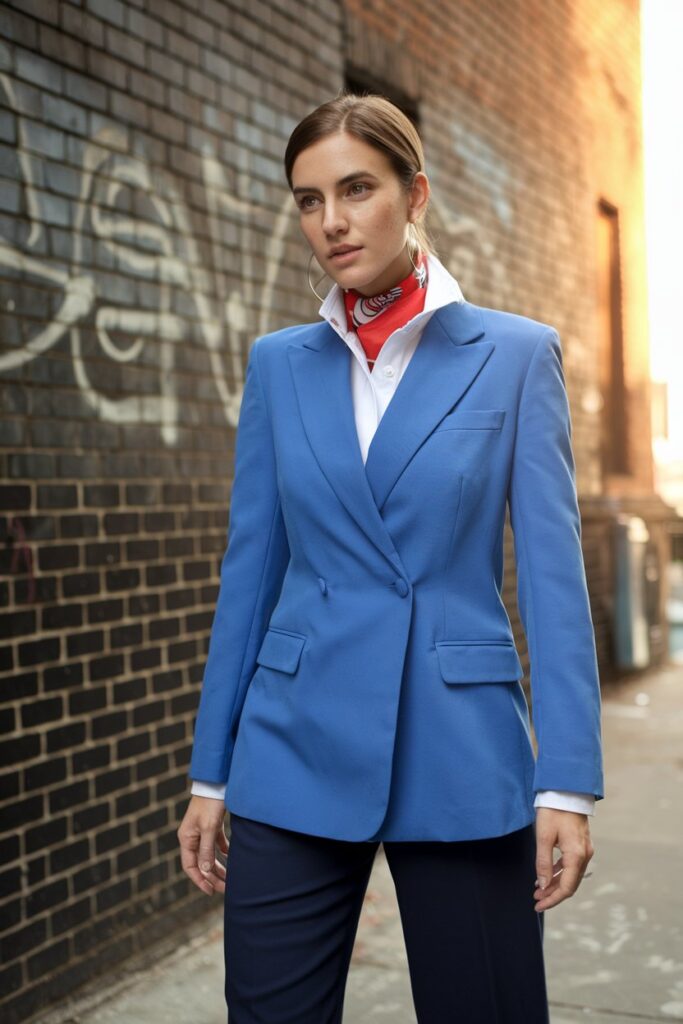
(360, 280)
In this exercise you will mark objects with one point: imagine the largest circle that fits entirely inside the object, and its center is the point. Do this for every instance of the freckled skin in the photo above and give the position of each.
(373, 211)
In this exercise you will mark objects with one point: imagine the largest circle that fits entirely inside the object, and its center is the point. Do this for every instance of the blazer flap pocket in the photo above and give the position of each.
(281, 650)
(478, 661)
(473, 419)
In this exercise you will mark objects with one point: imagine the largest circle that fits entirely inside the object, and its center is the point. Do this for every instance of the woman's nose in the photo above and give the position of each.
(333, 219)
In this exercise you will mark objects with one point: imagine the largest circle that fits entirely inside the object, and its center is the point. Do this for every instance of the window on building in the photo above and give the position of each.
(613, 428)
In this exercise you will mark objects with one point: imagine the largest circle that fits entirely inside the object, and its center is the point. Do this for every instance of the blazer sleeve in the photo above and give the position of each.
(552, 590)
(251, 575)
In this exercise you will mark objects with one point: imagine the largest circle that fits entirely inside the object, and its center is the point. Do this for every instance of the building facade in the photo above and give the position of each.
(146, 237)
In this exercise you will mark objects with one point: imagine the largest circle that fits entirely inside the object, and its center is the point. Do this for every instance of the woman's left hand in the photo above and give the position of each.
(570, 832)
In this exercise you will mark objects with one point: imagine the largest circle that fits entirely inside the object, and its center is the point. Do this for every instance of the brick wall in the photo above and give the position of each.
(146, 236)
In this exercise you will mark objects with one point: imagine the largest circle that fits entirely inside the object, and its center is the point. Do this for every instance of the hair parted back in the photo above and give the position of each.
(373, 119)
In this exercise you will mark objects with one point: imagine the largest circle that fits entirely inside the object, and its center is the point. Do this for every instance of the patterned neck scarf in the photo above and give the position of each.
(375, 317)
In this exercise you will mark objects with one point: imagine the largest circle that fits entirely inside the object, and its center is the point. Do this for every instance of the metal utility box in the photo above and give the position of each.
(632, 599)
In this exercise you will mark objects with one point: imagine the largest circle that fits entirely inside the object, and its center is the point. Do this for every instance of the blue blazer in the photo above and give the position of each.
(362, 679)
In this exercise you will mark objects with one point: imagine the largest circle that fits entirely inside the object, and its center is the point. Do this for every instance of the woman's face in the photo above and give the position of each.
(348, 194)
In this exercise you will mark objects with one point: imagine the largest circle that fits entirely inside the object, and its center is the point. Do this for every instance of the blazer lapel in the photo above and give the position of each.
(440, 370)
(322, 378)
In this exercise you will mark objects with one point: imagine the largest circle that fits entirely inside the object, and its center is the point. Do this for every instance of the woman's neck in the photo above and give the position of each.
(396, 272)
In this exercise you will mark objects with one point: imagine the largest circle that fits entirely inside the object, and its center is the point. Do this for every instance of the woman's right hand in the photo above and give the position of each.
(200, 831)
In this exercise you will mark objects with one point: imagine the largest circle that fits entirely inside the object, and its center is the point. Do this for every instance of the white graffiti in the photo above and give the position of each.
(135, 288)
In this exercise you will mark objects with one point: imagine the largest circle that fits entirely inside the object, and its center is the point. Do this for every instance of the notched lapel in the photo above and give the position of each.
(322, 379)
(442, 368)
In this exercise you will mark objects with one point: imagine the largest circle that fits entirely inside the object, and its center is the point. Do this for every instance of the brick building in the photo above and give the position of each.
(146, 237)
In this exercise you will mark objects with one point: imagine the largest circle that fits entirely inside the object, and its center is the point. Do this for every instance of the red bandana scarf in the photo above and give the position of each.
(375, 317)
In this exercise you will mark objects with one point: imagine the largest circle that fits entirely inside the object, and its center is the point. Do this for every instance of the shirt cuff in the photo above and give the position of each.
(564, 800)
(215, 790)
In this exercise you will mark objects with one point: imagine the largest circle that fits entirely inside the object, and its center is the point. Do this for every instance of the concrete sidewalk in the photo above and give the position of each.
(614, 952)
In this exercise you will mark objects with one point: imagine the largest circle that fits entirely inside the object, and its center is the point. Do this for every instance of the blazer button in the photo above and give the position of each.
(401, 586)
(323, 585)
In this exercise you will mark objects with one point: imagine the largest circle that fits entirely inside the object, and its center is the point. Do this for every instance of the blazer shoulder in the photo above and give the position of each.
(516, 329)
(517, 336)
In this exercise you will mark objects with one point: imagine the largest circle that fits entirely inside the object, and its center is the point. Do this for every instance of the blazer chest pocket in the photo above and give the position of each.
(281, 650)
(473, 419)
(478, 661)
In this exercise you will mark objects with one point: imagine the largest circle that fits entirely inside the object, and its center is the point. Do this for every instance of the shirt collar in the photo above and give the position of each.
(442, 288)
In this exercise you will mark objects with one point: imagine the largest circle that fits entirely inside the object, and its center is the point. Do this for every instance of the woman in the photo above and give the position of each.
(362, 683)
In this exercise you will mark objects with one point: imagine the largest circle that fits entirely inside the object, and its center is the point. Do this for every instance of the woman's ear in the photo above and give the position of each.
(418, 196)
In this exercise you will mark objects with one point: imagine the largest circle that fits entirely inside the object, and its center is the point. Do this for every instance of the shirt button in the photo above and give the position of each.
(401, 586)
(388, 371)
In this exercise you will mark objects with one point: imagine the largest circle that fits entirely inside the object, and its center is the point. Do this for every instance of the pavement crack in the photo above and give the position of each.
(607, 1013)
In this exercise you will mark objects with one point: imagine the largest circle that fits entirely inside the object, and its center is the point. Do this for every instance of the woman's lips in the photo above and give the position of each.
(342, 258)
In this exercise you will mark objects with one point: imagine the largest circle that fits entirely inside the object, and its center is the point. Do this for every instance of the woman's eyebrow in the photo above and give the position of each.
(342, 181)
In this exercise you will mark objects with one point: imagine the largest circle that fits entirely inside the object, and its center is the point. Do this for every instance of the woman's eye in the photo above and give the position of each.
(308, 202)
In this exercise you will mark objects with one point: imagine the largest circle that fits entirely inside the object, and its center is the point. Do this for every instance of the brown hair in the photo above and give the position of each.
(374, 119)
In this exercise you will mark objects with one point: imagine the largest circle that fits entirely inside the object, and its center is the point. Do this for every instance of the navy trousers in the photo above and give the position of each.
(473, 940)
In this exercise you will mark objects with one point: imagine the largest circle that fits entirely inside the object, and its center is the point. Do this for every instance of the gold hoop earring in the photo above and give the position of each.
(310, 284)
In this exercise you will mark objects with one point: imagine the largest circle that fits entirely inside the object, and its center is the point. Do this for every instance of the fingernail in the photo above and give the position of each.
(206, 866)
(542, 881)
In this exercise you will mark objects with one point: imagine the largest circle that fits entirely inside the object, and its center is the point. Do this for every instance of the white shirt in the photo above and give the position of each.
(372, 392)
